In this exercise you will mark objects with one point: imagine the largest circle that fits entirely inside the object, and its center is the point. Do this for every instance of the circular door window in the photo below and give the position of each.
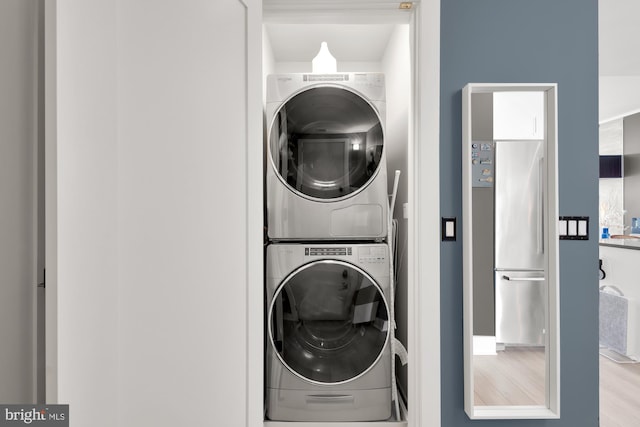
(326, 143)
(328, 322)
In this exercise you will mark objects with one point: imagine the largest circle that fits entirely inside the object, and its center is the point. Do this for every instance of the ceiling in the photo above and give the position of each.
(346, 42)
(355, 30)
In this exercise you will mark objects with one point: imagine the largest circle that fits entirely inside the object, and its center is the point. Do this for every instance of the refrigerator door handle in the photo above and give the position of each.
(541, 206)
(523, 279)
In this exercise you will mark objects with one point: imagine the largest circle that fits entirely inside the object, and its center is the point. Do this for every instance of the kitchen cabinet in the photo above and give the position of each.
(518, 115)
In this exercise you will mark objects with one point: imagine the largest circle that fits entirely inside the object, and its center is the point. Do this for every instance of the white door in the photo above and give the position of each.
(156, 192)
(18, 200)
(188, 108)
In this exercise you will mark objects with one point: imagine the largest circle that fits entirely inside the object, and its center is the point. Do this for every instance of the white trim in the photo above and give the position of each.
(255, 271)
(467, 255)
(553, 277)
(552, 365)
(513, 413)
(336, 11)
(329, 17)
(424, 260)
(367, 6)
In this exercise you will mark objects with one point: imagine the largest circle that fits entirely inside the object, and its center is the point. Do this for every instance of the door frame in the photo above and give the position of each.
(424, 258)
(424, 390)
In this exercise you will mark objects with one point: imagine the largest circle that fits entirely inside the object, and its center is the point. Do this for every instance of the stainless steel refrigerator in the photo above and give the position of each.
(520, 283)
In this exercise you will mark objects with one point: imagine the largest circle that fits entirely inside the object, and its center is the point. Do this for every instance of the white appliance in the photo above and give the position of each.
(328, 353)
(327, 172)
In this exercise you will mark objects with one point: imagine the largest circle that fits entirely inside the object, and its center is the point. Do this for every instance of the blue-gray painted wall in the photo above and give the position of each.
(546, 41)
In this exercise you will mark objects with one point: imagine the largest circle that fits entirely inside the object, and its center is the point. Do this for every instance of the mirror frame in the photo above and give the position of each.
(552, 363)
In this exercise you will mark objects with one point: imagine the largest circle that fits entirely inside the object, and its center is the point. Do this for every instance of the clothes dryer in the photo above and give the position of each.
(328, 352)
(326, 176)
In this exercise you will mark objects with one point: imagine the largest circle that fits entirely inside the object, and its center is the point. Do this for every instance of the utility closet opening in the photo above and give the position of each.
(362, 50)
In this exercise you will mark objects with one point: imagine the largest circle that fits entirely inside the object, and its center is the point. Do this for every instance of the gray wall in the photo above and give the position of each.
(483, 250)
(527, 41)
(631, 150)
(482, 202)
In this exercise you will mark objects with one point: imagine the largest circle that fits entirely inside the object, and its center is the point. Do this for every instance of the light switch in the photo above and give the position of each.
(582, 227)
(573, 228)
(562, 227)
(448, 229)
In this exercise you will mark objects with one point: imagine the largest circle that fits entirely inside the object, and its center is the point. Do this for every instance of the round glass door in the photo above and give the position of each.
(328, 322)
(326, 143)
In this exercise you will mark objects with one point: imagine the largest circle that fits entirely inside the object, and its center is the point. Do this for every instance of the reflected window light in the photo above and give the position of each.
(355, 143)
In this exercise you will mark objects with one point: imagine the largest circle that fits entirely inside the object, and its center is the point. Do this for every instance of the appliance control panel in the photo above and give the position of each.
(482, 163)
(329, 251)
(372, 254)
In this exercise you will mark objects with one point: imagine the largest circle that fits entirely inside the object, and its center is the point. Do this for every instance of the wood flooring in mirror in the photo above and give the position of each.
(514, 376)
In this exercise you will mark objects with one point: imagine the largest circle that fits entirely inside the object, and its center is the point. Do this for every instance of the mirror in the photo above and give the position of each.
(510, 251)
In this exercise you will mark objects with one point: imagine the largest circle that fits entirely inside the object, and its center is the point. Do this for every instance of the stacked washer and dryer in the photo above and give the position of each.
(328, 281)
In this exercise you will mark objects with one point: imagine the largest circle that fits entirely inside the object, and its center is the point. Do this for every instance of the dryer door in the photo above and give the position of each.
(329, 322)
(326, 143)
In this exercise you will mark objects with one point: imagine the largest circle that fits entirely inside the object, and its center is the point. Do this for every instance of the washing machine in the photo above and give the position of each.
(328, 352)
(326, 175)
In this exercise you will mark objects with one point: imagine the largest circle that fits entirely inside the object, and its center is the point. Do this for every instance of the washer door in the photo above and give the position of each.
(326, 143)
(328, 322)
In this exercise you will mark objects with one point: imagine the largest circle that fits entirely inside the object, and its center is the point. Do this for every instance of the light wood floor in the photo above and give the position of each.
(514, 376)
(619, 394)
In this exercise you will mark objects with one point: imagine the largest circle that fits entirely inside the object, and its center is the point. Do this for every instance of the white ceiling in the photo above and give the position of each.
(347, 42)
(355, 30)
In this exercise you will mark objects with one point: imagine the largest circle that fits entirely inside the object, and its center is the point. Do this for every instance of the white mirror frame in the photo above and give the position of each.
(552, 365)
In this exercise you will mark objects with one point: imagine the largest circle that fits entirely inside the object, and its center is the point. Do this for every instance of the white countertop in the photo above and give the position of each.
(630, 243)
